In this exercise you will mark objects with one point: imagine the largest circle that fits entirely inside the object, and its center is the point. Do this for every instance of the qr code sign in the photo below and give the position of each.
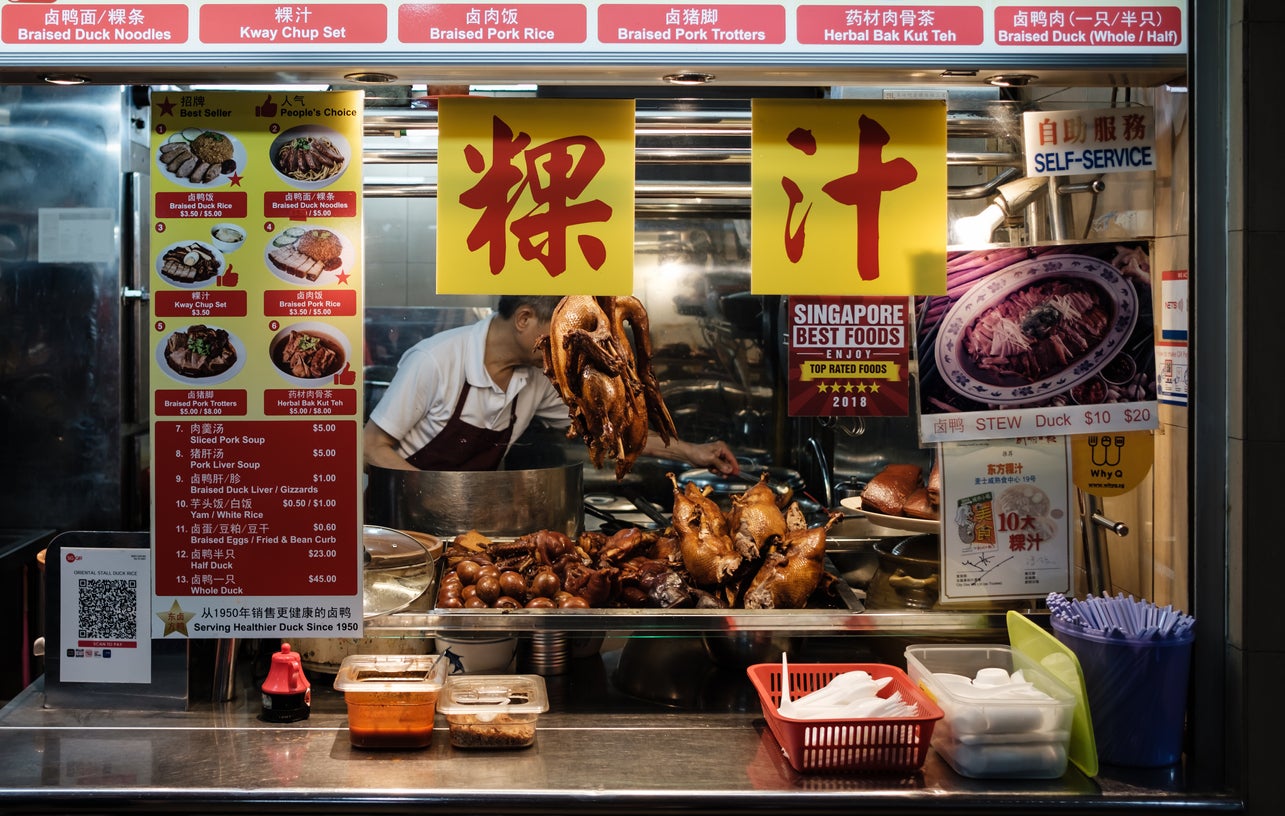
(108, 609)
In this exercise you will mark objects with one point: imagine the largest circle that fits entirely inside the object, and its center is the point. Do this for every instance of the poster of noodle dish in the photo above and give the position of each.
(1040, 340)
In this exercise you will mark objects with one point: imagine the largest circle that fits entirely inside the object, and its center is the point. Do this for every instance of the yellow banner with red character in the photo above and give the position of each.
(535, 196)
(849, 197)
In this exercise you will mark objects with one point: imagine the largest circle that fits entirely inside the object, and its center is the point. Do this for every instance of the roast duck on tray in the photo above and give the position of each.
(899, 490)
(757, 556)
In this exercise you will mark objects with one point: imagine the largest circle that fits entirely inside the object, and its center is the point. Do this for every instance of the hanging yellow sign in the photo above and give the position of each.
(848, 197)
(535, 196)
(1111, 464)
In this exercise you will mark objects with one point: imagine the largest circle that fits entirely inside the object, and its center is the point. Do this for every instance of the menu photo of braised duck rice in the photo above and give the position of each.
(1039, 340)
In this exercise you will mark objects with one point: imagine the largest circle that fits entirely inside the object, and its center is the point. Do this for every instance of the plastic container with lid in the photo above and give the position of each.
(493, 711)
(988, 730)
(391, 698)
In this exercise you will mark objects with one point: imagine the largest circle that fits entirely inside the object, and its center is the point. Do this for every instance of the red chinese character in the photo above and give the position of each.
(1135, 127)
(1104, 128)
(1074, 131)
(555, 173)
(1048, 131)
(862, 189)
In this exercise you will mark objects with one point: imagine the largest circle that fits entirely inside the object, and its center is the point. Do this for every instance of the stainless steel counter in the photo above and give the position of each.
(600, 749)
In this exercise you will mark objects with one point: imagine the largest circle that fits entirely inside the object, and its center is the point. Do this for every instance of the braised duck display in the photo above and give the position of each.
(704, 536)
(602, 370)
(692, 564)
(792, 570)
(756, 519)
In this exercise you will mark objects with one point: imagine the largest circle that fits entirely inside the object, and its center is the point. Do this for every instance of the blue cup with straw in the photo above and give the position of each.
(1136, 666)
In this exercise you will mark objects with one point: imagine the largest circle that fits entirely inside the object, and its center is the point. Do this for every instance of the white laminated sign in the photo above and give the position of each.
(1005, 507)
(1104, 140)
(106, 601)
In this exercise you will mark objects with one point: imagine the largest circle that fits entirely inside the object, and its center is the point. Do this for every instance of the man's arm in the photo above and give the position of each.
(716, 455)
(381, 449)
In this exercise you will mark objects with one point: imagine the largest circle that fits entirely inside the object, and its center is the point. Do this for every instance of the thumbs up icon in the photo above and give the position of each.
(347, 376)
(267, 110)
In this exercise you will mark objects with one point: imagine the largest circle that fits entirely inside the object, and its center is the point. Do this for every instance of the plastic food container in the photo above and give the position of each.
(854, 744)
(985, 736)
(391, 698)
(493, 711)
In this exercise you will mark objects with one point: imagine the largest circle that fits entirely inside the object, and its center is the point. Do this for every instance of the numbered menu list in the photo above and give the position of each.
(256, 327)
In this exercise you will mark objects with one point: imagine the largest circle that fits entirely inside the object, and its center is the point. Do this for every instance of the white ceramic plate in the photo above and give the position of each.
(957, 369)
(218, 257)
(310, 132)
(238, 155)
(329, 276)
(911, 525)
(311, 328)
(202, 381)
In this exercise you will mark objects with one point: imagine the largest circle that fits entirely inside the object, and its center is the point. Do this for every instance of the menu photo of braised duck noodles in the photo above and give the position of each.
(1054, 339)
(256, 298)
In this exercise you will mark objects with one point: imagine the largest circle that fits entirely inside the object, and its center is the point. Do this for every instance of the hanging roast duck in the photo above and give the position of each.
(605, 379)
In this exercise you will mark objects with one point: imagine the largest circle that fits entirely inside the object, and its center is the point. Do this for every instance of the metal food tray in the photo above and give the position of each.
(847, 615)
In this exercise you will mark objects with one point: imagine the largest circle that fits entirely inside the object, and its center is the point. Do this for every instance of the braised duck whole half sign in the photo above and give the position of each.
(606, 380)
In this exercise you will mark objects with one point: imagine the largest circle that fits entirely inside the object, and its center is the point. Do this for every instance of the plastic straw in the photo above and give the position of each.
(1120, 616)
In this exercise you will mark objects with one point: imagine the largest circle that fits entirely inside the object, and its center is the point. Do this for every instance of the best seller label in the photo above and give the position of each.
(1108, 140)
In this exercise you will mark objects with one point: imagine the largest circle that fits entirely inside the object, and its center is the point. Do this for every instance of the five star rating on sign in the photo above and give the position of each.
(847, 387)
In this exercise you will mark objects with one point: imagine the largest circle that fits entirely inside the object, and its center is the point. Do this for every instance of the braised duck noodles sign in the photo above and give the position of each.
(849, 197)
(535, 196)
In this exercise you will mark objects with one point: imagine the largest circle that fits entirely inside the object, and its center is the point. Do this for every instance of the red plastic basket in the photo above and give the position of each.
(862, 744)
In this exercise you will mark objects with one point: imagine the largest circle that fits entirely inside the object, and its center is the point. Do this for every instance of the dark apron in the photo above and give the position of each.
(461, 446)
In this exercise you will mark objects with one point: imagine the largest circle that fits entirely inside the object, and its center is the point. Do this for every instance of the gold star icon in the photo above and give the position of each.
(874, 388)
(847, 388)
(175, 620)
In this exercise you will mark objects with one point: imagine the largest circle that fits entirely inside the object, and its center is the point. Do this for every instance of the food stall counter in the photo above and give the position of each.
(597, 750)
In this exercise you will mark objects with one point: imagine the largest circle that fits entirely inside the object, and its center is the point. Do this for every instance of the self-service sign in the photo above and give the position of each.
(1106, 140)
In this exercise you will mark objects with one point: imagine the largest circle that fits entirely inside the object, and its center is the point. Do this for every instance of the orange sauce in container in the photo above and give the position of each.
(391, 699)
(391, 719)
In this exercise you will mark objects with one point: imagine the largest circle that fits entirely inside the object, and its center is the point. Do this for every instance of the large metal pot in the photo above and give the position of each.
(499, 503)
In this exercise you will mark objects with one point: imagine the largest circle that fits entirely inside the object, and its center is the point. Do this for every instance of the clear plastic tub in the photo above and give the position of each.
(391, 698)
(984, 735)
(493, 711)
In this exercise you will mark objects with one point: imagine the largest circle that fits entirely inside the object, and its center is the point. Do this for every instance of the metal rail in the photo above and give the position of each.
(678, 196)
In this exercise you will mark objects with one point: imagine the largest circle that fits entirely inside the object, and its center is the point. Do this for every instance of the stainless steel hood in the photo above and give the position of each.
(956, 70)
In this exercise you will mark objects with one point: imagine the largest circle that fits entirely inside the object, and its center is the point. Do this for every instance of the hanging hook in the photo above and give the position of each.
(855, 427)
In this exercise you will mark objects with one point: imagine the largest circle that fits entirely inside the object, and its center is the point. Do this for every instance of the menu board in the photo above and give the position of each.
(256, 300)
